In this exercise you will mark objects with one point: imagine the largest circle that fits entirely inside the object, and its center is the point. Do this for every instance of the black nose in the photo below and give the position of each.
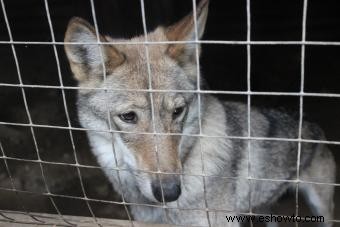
(171, 189)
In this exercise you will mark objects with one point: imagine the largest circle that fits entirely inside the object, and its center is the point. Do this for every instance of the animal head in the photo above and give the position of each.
(172, 67)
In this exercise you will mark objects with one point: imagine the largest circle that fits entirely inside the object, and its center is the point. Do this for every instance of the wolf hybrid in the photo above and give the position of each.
(198, 172)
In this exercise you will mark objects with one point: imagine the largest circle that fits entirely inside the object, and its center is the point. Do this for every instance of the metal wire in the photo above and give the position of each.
(148, 205)
(249, 138)
(329, 142)
(27, 109)
(199, 109)
(302, 82)
(249, 108)
(66, 108)
(108, 112)
(19, 199)
(154, 132)
(226, 42)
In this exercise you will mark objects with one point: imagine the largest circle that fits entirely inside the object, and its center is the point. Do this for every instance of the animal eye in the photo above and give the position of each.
(177, 112)
(128, 117)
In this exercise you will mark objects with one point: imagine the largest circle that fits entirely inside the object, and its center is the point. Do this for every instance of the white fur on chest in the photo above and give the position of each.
(112, 155)
(110, 152)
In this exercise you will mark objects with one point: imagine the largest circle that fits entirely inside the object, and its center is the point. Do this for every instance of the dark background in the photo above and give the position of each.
(273, 68)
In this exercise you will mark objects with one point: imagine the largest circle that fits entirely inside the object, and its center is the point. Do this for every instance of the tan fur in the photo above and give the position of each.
(126, 67)
(182, 30)
(135, 55)
(111, 56)
(147, 157)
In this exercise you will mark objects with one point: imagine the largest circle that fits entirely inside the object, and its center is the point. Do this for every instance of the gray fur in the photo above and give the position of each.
(175, 69)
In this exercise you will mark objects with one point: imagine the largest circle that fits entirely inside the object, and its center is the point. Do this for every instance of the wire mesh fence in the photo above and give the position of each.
(32, 217)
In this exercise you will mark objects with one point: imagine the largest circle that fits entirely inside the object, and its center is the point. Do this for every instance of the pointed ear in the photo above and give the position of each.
(184, 30)
(86, 59)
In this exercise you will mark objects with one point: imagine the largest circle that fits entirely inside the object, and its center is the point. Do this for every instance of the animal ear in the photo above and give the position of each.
(86, 59)
(184, 30)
